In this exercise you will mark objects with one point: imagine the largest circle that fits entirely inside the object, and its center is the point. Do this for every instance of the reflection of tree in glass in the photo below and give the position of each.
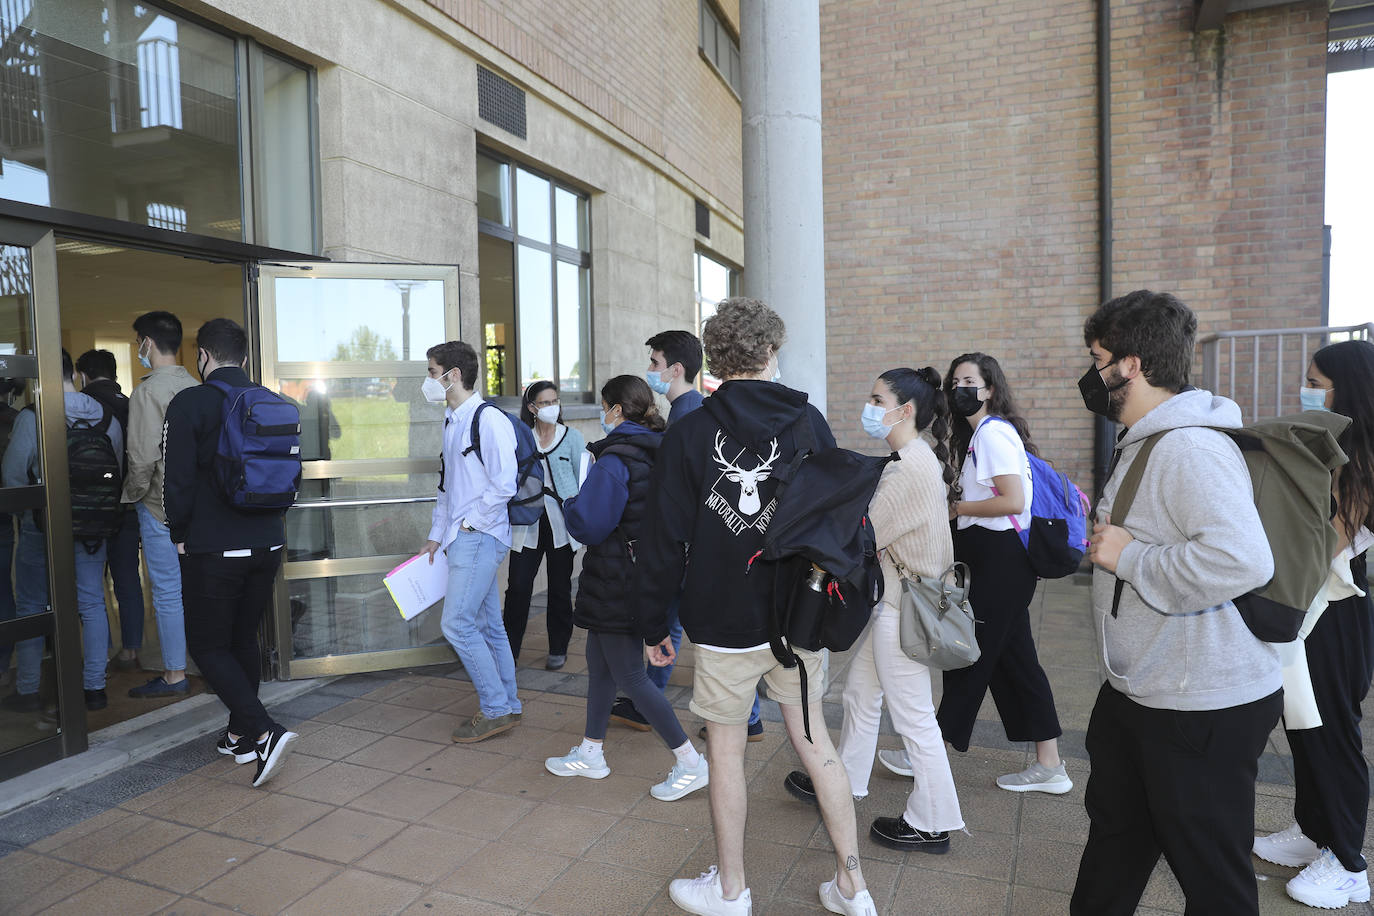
(366, 345)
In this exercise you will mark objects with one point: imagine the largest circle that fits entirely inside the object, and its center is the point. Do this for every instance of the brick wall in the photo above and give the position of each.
(961, 185)
(635, 64)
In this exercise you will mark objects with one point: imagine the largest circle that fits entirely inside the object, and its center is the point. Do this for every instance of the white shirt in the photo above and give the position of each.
(475, 491)
(526, 537)
(994, 451)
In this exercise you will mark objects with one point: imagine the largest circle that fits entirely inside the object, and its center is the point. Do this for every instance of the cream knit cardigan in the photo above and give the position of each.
(911, 518)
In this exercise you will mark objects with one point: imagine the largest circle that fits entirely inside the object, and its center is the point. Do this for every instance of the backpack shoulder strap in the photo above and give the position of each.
(1125, 496)
(476, 434)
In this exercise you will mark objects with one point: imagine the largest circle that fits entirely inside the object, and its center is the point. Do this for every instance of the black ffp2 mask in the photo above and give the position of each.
(1097, 394)
(964, 401)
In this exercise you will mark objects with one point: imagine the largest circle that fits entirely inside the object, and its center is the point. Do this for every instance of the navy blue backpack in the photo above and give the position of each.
(526, 507)
(1058, 532)
(258, 459)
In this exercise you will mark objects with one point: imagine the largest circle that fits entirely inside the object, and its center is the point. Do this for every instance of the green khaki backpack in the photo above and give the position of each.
(1290, 461)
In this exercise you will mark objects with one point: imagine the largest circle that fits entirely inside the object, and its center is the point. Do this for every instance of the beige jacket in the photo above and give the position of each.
(147, 408)
(911, 518)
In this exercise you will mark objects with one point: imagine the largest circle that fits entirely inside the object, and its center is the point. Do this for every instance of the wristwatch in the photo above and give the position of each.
(464, 526)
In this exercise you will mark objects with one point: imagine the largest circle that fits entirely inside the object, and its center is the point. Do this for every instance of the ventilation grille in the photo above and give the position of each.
(500, 102)
(703, 220)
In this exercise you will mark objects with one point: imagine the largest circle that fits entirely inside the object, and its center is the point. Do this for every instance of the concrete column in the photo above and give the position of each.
(784, 237)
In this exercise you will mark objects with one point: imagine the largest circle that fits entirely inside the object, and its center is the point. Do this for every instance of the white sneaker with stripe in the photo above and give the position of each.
(1327, 885)
(575, 764)
(682, 780)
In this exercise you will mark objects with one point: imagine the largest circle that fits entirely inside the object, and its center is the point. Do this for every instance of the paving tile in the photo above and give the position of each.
(616, 794)
(406, 797)
(479, 814)
(343, 835)
(569, 831)
(1056, 817)
(46, 818)
(486, 875)
(417, 853)
(187, 783)
(555, 717)
(1048, 864)
(1162, 892)
(438, 904)
(337, 783)
(431, 697)
(190, 756)
(648, 846)
(127, 840)
(816, 866)
(31, 883)
(335, 742)
(346, 711)
(190, 906)
(126, 783)
(76, 831)
(296, 768)
(272, 819)
(523, 779)
(113, 895)
(460, 764)
(1035, 901)
(268, 883)
(921, 891)
(384, 717)
(192, 862)
(596, 889)
(357, 892)
(196, 809)
(436, 727)
(394, 754)
(306, 706)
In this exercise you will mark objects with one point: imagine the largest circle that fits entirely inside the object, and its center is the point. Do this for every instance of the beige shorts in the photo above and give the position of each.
(725, 682)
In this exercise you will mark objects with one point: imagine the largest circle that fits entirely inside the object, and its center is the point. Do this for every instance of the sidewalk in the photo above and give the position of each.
(379, 812)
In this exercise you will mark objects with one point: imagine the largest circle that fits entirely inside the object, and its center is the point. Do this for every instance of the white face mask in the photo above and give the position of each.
(548, 413)
(435, 391)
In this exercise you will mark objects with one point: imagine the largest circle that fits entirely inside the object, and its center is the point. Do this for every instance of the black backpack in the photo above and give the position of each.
(97, 482)
(821, 551)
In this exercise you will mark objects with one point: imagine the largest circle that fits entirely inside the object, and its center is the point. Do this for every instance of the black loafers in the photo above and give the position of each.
(896, 833)
(799, 786)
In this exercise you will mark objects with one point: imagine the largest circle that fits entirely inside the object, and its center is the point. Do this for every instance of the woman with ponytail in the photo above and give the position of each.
(910, 518)
(1330, 773)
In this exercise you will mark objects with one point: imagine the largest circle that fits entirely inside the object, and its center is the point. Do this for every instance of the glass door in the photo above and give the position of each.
(42, 716)
(347, 343)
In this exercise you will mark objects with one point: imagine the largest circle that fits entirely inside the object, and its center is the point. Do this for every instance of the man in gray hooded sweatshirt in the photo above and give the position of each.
(1190, 694)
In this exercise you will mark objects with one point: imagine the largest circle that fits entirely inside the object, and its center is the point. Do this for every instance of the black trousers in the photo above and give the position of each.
(224, 600)
(524, 566)
(1329, 769)
(1003, 585)
(1177, 783)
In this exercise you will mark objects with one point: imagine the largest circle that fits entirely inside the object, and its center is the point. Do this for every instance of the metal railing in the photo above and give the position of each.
(1262, 370)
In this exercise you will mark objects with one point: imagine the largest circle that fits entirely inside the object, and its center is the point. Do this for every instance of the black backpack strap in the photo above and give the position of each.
(1125, 497)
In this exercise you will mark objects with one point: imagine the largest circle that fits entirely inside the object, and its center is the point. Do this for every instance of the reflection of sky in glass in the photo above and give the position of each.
(24, 183)
(532, 206)
(1350, 195)
(569, 326)
(317, 316)
(535, 312)
(565, 214)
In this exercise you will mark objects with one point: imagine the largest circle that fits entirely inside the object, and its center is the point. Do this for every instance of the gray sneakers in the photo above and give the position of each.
(1037, 778)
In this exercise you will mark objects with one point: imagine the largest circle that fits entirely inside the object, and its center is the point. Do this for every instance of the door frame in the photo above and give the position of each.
(273, 371)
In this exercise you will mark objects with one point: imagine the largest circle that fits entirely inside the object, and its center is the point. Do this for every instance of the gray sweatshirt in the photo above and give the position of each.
(1178, 642)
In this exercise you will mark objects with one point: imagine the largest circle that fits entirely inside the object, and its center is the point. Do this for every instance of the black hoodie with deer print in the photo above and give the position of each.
(710, 500)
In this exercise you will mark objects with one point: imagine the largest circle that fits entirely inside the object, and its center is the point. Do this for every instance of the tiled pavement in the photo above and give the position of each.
(378, 812)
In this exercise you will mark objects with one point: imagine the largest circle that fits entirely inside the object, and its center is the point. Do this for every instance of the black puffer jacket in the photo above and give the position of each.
(604, 599)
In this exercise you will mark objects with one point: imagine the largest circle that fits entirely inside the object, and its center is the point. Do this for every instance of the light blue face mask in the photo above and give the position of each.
(143, 357)
(872, 420)
(606, 427)
(1313, 398)
(656, 382)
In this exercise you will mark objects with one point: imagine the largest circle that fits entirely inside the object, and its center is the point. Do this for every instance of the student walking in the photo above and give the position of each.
(990, 441)
(229, 556)
(609, 517)
(1331, 775)
(471, 525)
(560, 449)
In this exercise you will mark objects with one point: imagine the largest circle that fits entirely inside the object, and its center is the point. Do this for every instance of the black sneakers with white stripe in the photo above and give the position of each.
(271, 752)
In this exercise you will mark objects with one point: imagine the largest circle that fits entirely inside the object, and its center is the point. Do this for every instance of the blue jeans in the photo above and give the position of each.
(122, 558)
(164, 571)
(472, 621)
(95, 622)
(30, 598)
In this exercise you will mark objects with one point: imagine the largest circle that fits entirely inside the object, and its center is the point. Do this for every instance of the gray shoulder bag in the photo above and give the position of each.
(936, 619)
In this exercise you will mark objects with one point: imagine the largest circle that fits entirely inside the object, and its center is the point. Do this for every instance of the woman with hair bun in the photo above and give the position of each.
(608, 516)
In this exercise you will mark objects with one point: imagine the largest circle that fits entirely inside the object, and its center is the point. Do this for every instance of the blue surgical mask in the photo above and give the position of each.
(872, 420)
(1313, 398)
(656, 382)
(143, 357)
(606, 427)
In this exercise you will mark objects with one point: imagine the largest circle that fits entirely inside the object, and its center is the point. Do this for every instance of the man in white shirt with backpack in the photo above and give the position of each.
(470, 532)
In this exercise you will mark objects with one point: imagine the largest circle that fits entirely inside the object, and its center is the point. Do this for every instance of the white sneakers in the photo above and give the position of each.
(704, 897)
(1287, 847)
(1327, 885)
(1037, 778)
(682, 780)
(861, 904)
(575, 764)
(895, 761)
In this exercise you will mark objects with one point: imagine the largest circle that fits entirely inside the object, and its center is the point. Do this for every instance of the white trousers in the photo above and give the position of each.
(878, 669)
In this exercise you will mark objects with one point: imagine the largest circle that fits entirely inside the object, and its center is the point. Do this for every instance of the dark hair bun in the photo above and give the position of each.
(929, 376)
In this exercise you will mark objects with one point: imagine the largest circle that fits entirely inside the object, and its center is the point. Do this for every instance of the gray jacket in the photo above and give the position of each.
(147, 410)
(1178, 642)
(21, 455)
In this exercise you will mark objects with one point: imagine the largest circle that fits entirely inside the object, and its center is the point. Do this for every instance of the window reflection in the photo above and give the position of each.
(532, 219)
(354, 418)
(357, 320)
(351, 614)
(535, 316)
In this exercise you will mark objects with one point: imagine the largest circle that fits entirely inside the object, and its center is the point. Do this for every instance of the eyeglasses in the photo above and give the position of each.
(540, 404)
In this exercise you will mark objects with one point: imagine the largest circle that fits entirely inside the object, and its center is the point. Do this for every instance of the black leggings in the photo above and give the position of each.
(617, 660)
(1000, 594)
(1329, 769)
(524, 566)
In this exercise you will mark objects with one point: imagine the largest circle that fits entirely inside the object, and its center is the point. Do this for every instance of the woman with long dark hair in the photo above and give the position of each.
(990, 443)
(608, 516)
(1331, 776)
(560, 450)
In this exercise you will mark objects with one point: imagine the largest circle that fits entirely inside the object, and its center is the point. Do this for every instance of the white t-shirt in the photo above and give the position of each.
(994, 451)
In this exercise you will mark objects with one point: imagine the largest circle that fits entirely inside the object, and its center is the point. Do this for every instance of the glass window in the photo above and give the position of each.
(16, 290)
(356, 319)
(534, 283)
(718, 45)
(714, 281)
(284, 157)
(349, 419)
(111, 107)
